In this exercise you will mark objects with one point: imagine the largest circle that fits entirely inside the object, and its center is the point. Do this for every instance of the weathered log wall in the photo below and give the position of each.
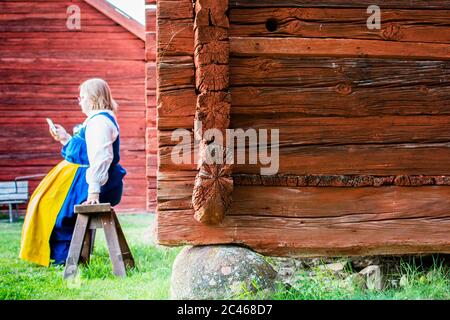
(42, 63)
(363, 118)
(150, 131)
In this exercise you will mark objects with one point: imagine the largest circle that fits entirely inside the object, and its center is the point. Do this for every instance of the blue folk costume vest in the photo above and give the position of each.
(70, 177)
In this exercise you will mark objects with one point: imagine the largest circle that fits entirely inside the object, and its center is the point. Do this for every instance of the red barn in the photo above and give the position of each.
(44, 57)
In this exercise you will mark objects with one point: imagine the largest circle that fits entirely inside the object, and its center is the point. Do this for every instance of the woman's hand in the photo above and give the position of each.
(93, 198)
(60, 134)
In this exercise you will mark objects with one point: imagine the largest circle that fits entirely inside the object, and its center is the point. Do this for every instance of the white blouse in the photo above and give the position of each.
(100, 136)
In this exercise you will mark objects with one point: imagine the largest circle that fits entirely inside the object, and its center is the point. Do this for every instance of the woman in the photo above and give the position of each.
(90, 173)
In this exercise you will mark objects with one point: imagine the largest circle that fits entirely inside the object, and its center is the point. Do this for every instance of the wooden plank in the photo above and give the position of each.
(57, 26)
(331, 72)
(61, 48)
(247, 46)
(298, 130)
(341, 100)
(396, 25)
(110, 34)
(150, 20)
(174, 188)
(375, 159)
(401, 4)
(65, 77)
(344, 204)
(296, 221)
(175, 10)
(62, 91)
(383, 159)
(150, 46)
(70, 65)
(366, 203)
(354, 181)
(93, 208)
(175, 73)
(309, 237)
(176, 38)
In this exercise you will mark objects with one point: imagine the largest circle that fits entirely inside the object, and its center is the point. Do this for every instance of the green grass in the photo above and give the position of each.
(326, 287)
(414, 281)
(151, 278)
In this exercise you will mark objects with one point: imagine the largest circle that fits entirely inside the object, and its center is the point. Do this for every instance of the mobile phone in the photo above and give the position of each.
(52, 125)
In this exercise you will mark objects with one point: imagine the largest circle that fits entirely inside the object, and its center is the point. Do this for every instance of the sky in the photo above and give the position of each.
(134, 8)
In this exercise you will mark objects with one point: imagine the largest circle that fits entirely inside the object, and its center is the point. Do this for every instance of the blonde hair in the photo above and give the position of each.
(98, 95)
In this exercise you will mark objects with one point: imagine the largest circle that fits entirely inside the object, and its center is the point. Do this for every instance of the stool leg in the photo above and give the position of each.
(124, 248)
(17, 212)
(87, 245)
(10, 214)
(112, 240)
(91, 249)
(76, 246)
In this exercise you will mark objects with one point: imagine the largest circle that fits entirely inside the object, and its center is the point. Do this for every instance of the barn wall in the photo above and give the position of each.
(42, 64)
(151, 142)
(363, 118)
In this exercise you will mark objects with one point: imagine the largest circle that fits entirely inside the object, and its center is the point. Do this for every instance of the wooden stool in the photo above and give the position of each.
(90, 218)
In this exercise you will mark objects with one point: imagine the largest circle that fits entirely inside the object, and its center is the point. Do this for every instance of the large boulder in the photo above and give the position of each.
(220, 272)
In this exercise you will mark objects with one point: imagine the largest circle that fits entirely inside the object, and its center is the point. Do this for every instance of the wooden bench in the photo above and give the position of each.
(90, 218)
(13, 193)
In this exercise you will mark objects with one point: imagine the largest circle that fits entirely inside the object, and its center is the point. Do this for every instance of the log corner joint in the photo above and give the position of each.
(213, 185)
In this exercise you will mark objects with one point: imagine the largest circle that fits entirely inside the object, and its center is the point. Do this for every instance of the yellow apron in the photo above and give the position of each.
(43, 208)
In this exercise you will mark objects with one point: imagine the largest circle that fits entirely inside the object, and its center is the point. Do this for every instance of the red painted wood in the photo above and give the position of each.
(362, 120)
(42, 63)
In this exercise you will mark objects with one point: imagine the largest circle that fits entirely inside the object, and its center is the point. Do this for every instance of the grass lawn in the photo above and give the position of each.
(151, 278)
(413, 281)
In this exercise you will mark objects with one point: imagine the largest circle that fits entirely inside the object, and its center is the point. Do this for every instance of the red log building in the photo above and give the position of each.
(363, 116)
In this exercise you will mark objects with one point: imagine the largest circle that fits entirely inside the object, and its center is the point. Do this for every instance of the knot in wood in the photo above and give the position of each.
(424, 89)
(344, 88)
(391, 32)
(265, 65)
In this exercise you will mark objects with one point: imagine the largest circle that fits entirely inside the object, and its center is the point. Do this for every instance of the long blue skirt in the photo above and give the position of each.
(65, 222)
